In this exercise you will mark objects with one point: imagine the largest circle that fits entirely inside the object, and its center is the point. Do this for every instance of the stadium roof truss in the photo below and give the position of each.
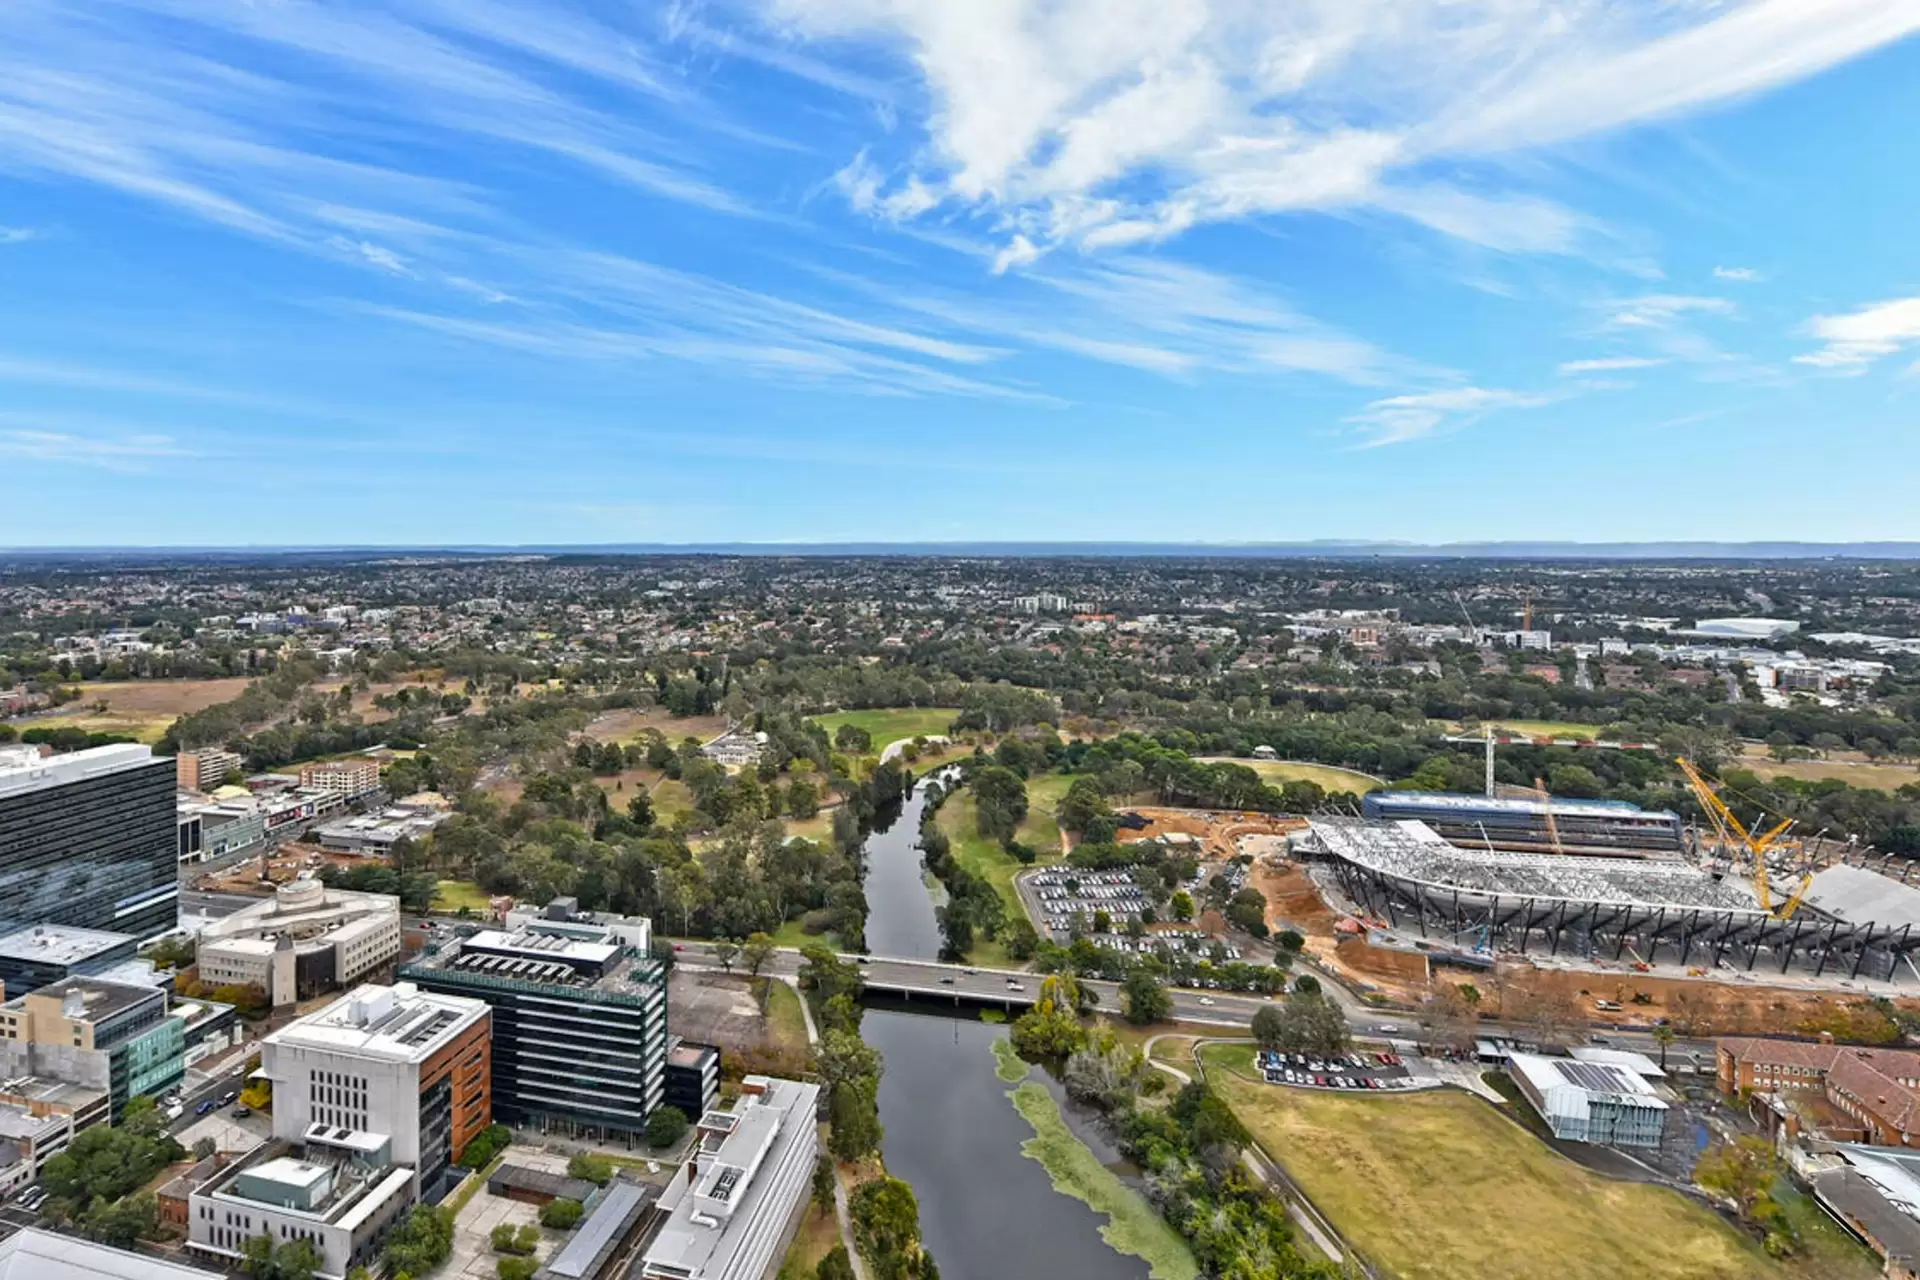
(1594, 907)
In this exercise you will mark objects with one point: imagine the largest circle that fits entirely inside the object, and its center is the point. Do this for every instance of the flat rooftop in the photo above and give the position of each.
(102, 1000)
(400, 1023)
(1559, 807)
(542, 959)
(32, 1254)
(59, 943)
(22, 776)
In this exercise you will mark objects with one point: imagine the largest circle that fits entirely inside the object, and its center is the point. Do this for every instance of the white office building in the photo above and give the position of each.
(304, 941)
(731, 1205)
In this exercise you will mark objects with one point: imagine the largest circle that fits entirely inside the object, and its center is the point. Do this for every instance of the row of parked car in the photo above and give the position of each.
(1340, 1071)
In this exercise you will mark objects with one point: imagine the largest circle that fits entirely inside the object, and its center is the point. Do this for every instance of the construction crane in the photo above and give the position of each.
(1546, 806)
(1793, 903)
(1732, 831)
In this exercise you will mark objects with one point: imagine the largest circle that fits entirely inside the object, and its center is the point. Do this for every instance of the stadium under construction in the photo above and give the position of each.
(1476, 898)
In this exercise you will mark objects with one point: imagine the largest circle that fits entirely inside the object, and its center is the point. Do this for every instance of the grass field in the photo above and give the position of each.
(1437, 1186)
(1328, 777)
(986, 859)
(1855, 773)
(791, 934)
(1132, 1226)
(819, 1232)
(1537, 728)
(890, 724)
(451, 895)
(786, 1023)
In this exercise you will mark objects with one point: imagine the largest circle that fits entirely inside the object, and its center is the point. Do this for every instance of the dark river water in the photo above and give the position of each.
(987, 1212)
(900, 919)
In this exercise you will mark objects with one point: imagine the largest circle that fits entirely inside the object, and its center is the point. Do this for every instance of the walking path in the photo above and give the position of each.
(839, 1185)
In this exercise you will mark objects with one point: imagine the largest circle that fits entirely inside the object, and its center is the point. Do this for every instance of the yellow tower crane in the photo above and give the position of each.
(1755, 843)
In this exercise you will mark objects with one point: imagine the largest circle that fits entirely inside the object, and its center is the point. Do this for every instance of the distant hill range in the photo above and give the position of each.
(1322, 550)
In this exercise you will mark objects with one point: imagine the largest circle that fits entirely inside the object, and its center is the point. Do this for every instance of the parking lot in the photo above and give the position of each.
(1069, 898)
(1356, 1069)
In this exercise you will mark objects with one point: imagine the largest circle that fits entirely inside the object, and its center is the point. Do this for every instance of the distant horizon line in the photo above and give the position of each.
(1328, 548)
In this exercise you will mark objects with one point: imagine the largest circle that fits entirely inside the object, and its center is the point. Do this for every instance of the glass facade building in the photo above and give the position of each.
(579, 1027)
(89, 839)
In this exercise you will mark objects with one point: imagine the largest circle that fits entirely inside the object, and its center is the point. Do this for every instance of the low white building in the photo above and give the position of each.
(730, 1206)
(343, 1197)
(1590, 1101)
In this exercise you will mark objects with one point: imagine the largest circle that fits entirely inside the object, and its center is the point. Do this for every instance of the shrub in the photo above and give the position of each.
(490, 1142)
(561, 1215)
(517, 1268)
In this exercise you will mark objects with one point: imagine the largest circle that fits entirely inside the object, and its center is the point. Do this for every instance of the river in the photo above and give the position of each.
(900, 919)
(987, 1212)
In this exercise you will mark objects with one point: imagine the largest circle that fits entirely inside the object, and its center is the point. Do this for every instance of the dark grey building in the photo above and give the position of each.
(579, 1023)
(43, 954)
(89, 839)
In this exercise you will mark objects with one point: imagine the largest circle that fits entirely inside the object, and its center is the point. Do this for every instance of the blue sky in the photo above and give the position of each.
(498, 271)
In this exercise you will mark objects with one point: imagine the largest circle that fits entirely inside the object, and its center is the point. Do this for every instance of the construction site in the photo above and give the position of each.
(1475, 880)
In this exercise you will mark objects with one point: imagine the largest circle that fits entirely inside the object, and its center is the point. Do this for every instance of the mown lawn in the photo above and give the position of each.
(890, 724)
(1328, 777)
(451, 895)
(1437, 1186)
(786, 1024)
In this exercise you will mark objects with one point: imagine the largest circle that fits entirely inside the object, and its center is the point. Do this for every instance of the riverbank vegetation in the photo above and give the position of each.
(1132, 1227)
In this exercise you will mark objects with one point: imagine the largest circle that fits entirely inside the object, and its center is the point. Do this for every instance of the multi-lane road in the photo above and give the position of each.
(935, 981)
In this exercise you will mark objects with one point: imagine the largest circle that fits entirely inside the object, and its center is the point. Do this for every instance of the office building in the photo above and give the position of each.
(207, 768)
(579, 1021)
(214, 829)
(110, 1036)
(42, 955)
(728, 1209)
(27, 1142)
(343, 777)
(374, 834)
(1590, 1101)
(89, 839)
(33, 1254)
(692, 1081)
(340, 1190)
(304, 941)
(410, 1065)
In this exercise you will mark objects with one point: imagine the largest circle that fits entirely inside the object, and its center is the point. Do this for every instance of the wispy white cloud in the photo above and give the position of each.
(1660, 310)
(1609, 364)
(1856, 339)
(1100, 123)
(1398, 419)
(18, 235)
(1738, 275)
(115, 453)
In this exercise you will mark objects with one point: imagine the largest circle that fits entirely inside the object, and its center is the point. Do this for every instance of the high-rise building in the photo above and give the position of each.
(112, 1036)
(344, 777)
(412, 1065)
(89, 839)
(579, 1020)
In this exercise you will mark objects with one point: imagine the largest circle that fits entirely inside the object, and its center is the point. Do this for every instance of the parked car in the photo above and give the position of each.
(241, 1113)
(204, 1107)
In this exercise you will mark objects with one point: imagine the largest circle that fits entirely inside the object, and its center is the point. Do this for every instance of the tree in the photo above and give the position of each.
(824, 1181)
(561, 1214)
(665, 1127)
(853, 1115)
(1663, 1035)
(588, 1167)
(1181, 905)
(756, 951)
(1000, 802)
(640, 810)
(420, 1241)
(1307, 1023)
(204, 1147)
(1143, 999)
(1269, 1027)
(835, 1265)
(886, 1225)
(1306, 984)
(1740, 1170)
(724, 951)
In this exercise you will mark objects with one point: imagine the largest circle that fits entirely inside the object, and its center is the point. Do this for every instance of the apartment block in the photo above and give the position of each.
(206, 768)
(342, 777)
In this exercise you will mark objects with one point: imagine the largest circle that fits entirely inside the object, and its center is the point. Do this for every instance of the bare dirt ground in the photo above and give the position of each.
(626, 723)
(167, 698)
(1216, 829)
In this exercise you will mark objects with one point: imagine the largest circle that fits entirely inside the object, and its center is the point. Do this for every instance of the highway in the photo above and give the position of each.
(930, 979)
